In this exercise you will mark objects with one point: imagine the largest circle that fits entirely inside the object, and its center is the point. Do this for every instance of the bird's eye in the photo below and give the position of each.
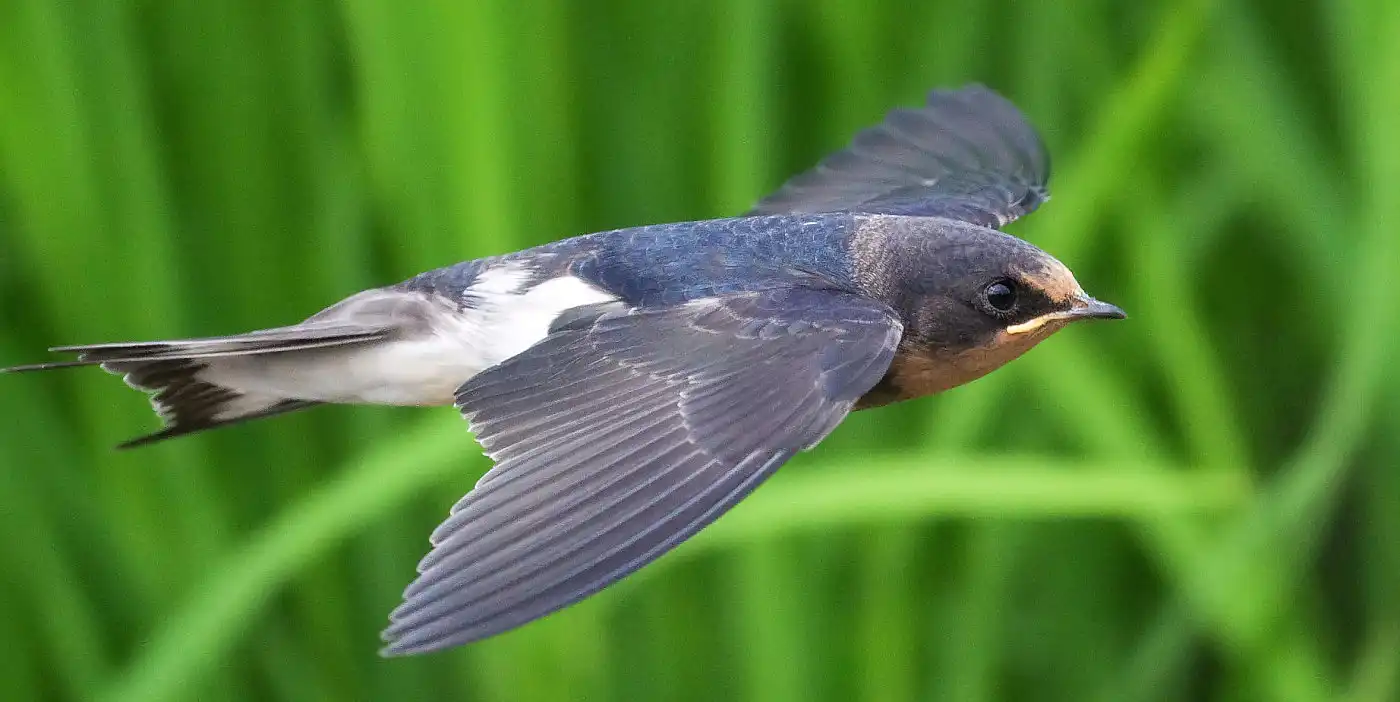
(1001, 295)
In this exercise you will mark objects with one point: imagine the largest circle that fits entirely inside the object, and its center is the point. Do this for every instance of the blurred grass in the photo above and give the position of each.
(1199, 503)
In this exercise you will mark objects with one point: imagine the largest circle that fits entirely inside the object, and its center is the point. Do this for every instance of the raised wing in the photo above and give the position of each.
(621, 435)
(968, 154)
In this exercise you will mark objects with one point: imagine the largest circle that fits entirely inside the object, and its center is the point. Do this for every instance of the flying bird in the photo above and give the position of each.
(633, 385)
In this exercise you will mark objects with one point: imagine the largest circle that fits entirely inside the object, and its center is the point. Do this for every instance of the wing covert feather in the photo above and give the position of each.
(616, 440)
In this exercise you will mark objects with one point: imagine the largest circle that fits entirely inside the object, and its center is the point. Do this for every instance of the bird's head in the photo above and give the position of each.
(976, 298)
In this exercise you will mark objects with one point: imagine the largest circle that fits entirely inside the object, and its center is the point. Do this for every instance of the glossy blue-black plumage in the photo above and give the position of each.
(674, 263)
(668, 264)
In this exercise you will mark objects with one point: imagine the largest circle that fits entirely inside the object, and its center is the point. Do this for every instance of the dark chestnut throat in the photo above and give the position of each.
(921, 371)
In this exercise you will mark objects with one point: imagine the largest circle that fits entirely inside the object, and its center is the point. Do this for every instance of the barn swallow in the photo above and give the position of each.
(633, 385)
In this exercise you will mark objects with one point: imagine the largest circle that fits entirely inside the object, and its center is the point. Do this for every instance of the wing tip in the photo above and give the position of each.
(401, 650)
(394, 648)
(411, 642)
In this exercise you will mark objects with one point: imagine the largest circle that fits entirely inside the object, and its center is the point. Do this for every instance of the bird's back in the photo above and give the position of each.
(665, 264)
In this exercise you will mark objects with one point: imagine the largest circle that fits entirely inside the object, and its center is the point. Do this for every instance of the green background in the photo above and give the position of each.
(1201, 503)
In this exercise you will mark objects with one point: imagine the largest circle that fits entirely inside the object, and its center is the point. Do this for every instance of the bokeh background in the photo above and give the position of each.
(1201, 503)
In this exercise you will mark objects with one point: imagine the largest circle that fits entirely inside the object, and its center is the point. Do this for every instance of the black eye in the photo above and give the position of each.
(1001, 295)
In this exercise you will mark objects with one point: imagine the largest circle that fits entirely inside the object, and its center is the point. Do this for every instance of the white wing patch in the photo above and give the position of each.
(504, 324)
(498, 318)
(501, 320)
(504, 279)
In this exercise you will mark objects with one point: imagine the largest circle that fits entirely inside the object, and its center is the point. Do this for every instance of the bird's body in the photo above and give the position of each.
(633, 384)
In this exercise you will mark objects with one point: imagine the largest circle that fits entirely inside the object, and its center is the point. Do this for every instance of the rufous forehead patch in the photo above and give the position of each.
(1054, 279)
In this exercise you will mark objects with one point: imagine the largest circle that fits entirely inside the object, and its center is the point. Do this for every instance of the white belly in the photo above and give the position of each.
(421, 369)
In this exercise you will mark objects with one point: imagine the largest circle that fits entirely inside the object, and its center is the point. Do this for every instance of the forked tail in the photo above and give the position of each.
(175, 373)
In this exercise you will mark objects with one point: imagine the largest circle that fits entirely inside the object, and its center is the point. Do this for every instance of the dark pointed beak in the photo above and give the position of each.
(1084, 307)
(1089, 308)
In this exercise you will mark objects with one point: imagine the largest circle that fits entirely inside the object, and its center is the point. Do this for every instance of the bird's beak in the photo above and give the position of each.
(1088, 308)
(1084, 307)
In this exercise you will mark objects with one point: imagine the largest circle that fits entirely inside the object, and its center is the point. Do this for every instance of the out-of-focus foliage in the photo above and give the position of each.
(1202, 502)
